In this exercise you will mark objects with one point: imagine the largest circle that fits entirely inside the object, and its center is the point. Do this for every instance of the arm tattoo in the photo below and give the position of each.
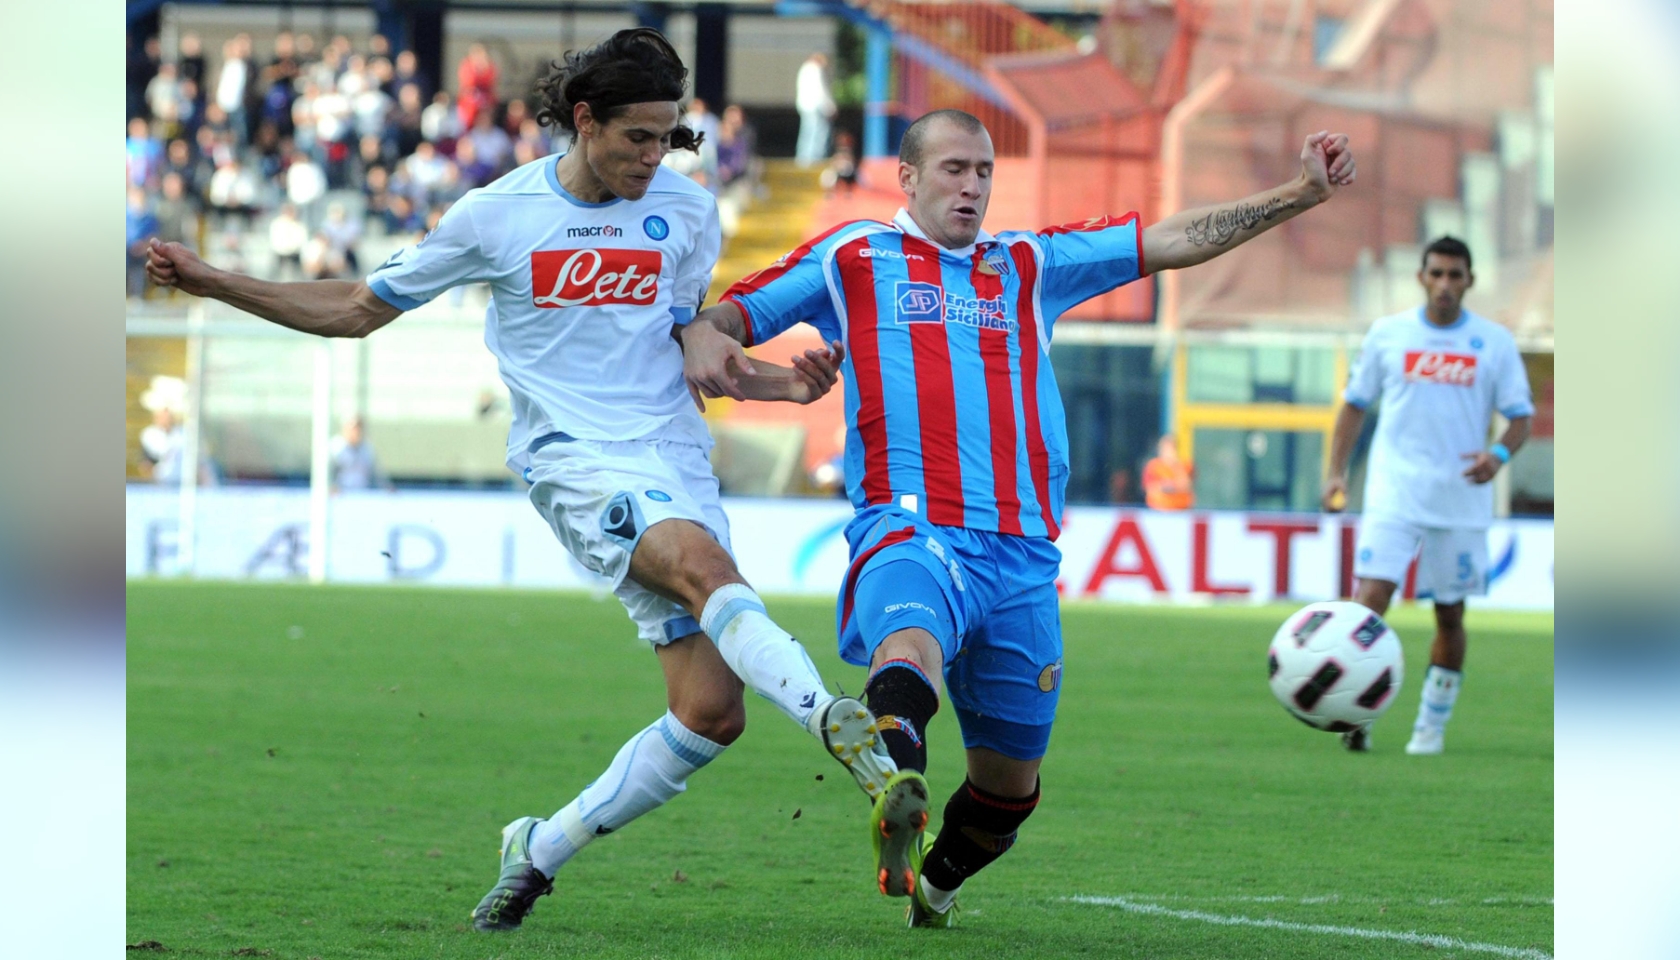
(1221, 226)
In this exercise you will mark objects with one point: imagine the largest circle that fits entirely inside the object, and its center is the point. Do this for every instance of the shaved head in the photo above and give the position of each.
(913, 148)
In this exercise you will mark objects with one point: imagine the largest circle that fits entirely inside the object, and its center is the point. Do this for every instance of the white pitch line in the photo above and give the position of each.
(1421, 939)
(1333, 898)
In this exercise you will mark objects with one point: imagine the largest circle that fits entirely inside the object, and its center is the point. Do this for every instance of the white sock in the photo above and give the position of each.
(1440, 692)
(766, 657)
(939, 900)
(651, 768)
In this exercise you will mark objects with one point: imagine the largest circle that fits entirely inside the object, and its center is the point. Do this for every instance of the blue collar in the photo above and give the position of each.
(1423, 317)
(554, 184)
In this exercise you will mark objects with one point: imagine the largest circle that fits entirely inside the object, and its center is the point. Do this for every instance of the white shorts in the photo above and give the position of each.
(600, 496)
(1452, 563)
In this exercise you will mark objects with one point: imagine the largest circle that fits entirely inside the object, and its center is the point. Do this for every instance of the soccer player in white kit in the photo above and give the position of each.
(593, 259)
(1441, 372)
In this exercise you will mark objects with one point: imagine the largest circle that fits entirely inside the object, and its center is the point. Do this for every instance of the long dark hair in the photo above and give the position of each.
(631, 66)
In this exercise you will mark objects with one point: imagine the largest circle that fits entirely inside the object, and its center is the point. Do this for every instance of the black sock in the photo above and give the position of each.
(978, 828)
(903, 701)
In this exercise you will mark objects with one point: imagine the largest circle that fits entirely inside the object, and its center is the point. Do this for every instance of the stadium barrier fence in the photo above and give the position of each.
(784, 546)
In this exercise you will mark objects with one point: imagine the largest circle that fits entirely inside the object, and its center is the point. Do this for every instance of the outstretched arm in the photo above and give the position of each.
(1197, 236)
(326, 308)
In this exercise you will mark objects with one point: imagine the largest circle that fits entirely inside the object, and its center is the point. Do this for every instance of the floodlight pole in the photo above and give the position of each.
(320, 466)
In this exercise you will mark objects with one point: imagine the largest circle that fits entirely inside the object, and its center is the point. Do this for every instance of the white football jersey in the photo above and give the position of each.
(583, 298)
(1439, 388)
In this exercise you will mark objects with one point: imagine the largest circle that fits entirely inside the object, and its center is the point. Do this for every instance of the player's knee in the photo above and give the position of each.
(719, 719)
(725, 727)
(913, 645)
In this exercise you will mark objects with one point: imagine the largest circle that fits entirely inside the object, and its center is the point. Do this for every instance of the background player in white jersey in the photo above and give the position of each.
(593, 258)
(1441, 372)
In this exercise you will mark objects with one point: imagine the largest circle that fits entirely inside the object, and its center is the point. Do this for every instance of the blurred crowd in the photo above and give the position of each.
(316, 148)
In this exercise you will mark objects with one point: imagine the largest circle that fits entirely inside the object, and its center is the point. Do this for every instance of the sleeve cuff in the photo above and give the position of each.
(682, 316)
(1515, 412)
(383, 291)
(1357, 403)
(1137, 224)
(746, 318)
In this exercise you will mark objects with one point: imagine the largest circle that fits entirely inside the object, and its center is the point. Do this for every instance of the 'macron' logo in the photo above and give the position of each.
(592, 278)
(1434, 366)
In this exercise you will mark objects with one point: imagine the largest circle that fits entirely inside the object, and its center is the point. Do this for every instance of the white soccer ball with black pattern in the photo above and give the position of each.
(1335, 665)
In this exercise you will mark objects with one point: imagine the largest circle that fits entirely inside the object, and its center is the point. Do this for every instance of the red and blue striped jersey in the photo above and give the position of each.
(952, 410)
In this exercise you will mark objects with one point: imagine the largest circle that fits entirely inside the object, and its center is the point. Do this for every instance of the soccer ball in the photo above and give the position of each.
(1335, 665)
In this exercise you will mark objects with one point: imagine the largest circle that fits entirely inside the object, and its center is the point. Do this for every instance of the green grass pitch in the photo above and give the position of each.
(324, 772)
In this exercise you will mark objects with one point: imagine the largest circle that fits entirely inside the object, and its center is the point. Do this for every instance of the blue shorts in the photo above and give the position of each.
(988, 598)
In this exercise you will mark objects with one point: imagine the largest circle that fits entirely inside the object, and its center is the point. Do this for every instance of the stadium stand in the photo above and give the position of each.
(1149, 107)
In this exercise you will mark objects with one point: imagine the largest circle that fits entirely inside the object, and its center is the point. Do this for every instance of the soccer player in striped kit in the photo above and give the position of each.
(956, 460)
